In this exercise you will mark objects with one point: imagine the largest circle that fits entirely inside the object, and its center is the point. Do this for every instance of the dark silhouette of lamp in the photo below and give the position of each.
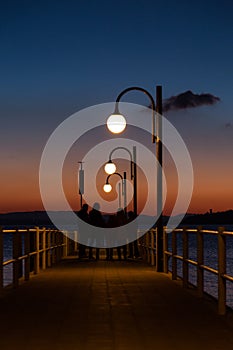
(116, 123)
(108, 187)
(110, 168)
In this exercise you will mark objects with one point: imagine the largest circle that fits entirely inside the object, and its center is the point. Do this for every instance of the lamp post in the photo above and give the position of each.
(110, 168)
(81, 183)
(107, 188)
(116, 123)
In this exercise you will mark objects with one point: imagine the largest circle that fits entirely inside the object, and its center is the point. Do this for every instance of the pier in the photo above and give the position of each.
(66, 303)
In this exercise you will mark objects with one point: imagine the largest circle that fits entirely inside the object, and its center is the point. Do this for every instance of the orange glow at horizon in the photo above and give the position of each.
(207, 193)
(213, 186)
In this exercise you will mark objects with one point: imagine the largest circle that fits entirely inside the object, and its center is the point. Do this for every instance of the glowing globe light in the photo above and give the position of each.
(110, 168)
(107, 188)
(116, 123)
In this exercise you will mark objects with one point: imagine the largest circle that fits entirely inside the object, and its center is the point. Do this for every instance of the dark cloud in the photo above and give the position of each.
(189, 100)
(228, 125)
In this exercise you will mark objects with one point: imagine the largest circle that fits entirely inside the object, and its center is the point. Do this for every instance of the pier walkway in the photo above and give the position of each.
(109, 306)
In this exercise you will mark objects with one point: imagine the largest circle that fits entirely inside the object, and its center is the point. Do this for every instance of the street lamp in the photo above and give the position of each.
(110, 168)
(116, 123)
(81, 183)
(108, 187)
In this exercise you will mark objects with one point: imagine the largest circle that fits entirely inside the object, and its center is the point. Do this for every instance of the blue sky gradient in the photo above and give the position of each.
(58, 57)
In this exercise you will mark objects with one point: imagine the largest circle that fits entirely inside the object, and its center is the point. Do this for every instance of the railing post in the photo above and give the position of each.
(185, 258)
(26, 252)
(49, 250)
(71, 243)
(221, 272)
(20, 263)
(60, 245)
(152, 247)
(44, 248)
(53, 249)
(165, 247)
(55, 244)
(15, 257)
(174, 252)
(200, 262)
(57, 233)
(32, 242)
(139, 243)
(65, 246)
(143, 239)
(1, 259)
(68, 243)
(75, 241)
(37, 256)
(61, 242)
(148, 246)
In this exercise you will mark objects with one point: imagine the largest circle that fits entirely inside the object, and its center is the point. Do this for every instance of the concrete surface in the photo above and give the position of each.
(108, 306)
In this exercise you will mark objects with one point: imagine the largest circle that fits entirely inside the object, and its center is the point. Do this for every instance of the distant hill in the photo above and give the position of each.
(41, 218)
(34, 218)
(218, 218)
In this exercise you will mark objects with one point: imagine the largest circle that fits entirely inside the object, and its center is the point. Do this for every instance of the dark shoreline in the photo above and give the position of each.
(40, 218)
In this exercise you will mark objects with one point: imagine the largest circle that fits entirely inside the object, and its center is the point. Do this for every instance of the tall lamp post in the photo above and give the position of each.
(116, 123)
(108, 187)
(110, 168)
(81, 183)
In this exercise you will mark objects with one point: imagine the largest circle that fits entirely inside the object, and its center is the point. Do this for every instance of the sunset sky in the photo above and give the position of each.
(58, 57)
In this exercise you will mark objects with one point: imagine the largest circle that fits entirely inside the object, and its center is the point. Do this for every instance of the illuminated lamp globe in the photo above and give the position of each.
(107, 188)
(110, 168)
(116, 123)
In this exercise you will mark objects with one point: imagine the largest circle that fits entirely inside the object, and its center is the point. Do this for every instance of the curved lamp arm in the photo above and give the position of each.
(131, 158)
(152, 105)
(122, 179)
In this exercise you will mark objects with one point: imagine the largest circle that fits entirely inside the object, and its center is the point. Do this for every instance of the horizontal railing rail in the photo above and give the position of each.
(148, 248)
(32, 250)
(35, 249)
(221, 258)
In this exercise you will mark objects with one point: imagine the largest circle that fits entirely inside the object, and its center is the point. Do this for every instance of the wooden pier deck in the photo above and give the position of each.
(109, 306)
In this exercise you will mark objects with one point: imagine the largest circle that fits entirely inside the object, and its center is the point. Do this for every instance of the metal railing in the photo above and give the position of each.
(147, 246)
(36, 249)
(220, 272)
(32, 250)
(148, 250)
